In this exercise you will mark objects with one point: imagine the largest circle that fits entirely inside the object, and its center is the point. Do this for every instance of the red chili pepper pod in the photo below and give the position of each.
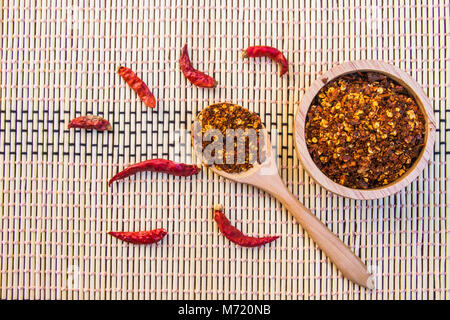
(140, 237)
(157, 165)
(269, 52)
(138, 86)
(235, 235)
(90, 122)
(196, 77)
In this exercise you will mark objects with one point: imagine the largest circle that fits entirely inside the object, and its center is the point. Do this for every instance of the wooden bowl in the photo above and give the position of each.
(394, 73)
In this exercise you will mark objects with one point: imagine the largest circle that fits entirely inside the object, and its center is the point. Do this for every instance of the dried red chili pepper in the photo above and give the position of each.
(157, 165)
(140, 237)
(138, 86)
(90, 122)
(269, 52)
(196, 77)
(235, 235)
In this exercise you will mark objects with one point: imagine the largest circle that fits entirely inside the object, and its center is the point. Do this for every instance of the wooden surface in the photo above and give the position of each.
(396, 74)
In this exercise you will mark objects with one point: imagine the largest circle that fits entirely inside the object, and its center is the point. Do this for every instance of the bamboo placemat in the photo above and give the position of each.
(59, 61)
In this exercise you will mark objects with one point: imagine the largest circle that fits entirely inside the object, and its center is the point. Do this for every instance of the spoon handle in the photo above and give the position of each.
(341, 255)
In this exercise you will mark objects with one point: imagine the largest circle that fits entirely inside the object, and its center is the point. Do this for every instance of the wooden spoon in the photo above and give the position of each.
(266, 177)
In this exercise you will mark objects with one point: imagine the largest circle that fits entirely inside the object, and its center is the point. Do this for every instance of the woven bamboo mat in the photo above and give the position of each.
(59, 61)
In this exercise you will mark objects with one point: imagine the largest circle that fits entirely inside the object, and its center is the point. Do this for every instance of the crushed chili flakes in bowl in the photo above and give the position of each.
(364, 130)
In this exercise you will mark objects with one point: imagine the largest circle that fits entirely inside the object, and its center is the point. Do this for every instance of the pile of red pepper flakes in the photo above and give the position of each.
(364, 130)
(226, 116)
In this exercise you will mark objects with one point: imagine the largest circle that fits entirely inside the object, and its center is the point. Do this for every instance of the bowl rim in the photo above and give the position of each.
(392, 72)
